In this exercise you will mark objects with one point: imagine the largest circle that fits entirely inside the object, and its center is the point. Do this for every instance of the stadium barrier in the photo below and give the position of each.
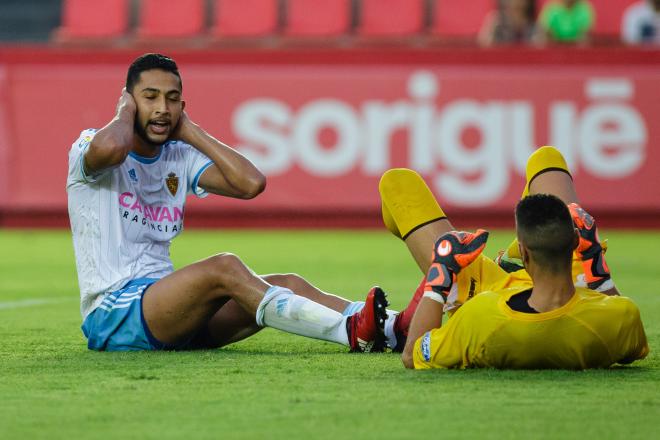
(325, 124)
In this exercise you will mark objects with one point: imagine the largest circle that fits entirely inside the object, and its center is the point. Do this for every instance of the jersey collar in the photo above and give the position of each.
(541, 316)
(147, 160)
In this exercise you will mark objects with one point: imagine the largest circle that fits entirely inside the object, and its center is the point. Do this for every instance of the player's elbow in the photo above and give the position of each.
(117, 154)
(407, 359)
(254, 186)
(106, 155)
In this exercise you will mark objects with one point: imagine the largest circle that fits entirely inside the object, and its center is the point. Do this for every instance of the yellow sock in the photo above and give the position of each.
(389, 221)
(513, 251)
(544, 159)
(407, 203)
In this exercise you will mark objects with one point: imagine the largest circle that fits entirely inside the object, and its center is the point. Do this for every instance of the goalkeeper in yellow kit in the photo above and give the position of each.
(559, 310)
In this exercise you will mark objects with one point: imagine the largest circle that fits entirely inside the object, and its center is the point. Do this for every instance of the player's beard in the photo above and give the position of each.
(142, 133)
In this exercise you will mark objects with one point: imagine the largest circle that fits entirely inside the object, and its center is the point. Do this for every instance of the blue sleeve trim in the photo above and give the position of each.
(194, 188)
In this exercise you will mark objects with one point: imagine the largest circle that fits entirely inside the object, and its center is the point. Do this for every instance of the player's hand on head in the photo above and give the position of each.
(126, 102)
(182, 127)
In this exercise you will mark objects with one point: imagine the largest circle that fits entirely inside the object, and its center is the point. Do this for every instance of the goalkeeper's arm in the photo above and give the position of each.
(427, 317)
(452, 252)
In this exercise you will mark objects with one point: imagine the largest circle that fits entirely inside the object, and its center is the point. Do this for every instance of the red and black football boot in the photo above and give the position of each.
(366, 328)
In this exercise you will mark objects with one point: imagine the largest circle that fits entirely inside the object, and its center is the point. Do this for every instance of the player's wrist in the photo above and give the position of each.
(189, 129)
(125, 114)
(439, 279)
(189, 132)
(597, 273)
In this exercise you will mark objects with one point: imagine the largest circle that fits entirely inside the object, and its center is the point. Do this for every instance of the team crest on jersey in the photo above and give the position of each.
(172, 182)
(132, 175)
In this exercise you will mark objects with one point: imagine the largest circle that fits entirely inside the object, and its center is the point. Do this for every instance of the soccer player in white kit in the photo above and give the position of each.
(127, 186)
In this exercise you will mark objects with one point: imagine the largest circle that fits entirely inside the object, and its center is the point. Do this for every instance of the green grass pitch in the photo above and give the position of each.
(276, 385)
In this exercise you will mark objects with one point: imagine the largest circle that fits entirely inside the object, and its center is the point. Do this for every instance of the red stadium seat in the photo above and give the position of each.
(317, 17)
(97, 19)
(391, 17)
(461, 19)
(245, 18)
(171, 18)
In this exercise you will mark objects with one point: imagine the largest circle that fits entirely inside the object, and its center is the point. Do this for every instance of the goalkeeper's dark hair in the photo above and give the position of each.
(545, 227)
(150, 61)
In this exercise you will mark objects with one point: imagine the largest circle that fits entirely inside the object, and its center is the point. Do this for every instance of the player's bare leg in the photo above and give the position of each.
(179, 305)
(547, 173)
(231, 323)
(194, 299)
(228, 325)
(411, 212)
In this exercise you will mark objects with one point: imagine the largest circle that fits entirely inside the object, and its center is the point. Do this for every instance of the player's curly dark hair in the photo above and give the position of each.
(150, 61)
(545, 227)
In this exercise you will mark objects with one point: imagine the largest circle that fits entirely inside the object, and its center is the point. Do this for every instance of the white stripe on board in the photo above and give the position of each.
(35, 302)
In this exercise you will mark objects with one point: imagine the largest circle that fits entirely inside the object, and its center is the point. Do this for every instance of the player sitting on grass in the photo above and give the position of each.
(127, 186)
(534, 317)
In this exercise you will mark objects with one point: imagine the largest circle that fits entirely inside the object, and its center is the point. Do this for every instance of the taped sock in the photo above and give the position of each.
(388, 220)
(280, 308)
(544, 159)
(513, 251)
(353, 308)
(388, 329)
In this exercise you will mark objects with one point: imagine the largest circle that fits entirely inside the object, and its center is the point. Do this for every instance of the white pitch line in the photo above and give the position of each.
(33, 302)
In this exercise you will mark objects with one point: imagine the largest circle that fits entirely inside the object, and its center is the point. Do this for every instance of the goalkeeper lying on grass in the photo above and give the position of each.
(558, 309)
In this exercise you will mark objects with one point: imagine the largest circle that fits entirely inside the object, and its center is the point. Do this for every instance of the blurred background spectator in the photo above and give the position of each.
(566, 21)
(641, 23)
(512, 22)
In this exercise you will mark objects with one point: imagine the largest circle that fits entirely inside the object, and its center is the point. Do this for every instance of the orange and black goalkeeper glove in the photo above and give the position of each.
(453, 252)
(589, 250)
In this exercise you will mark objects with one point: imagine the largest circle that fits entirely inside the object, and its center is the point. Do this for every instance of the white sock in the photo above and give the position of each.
(389, 328)
(353, 308)
(280, 308)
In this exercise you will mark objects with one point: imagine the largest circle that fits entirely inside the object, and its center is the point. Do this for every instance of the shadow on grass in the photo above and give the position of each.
(619, 373)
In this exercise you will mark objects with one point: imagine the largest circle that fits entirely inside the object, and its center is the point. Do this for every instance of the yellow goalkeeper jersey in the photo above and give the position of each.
(592, 330)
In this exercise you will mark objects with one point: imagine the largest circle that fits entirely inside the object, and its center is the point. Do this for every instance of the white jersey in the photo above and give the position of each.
(124, 218)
